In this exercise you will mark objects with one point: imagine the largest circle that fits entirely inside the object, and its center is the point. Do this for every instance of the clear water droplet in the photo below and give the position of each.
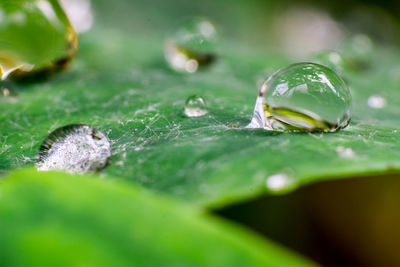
(195, 106)
(376, 102)
(193, 45)
(37, 38)
(302, 97)
(74, 148)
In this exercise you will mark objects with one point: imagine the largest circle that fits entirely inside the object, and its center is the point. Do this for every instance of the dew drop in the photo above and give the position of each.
(357, 52)
(195, 106)
(193, 45)
(279, 182)
(302, 97)
(330, 59)
(74, 148)
(345, 152)
(37, 38)
(376, 102)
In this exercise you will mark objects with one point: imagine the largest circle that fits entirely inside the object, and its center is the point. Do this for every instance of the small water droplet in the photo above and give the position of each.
(74, 148)
(192, 46)
(47, 48)
(279, 181)
(195, 106)
(376, 102)
(302, 97)
(357, 52)
(345, 152)
(330, 59)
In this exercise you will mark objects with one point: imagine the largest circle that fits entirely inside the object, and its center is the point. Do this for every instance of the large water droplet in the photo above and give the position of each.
(36, 37)
(74, 148)
(195, 106)
(303, 97)
(193, 45)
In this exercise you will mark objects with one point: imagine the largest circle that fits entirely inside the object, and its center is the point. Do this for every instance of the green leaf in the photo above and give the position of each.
(122, 86)
(49, 219)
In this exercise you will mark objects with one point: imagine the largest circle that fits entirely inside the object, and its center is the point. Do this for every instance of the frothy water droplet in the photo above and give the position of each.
(302, 97)
(74, 148)
(195, 106)
(193, 45)
(279, 181)
(345, 152)
(376, 102)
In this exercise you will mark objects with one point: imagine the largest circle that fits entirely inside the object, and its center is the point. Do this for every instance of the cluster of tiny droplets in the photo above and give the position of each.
(77, 151)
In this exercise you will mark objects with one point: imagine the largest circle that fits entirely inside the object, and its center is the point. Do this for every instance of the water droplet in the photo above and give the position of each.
(302, 97)
(74, 148)
(192, 46)
(279, 182)
(345, 152)
(357, 52)
(8, 91)
(330, 59)
(37, 38)
(376, 101)
(195, 106)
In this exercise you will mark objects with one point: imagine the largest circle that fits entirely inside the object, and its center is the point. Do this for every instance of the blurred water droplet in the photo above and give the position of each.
(195, 106)
(193, 45)
(330, 59)
(74, 148)
(376, 102)
(279, 181)
(302, 97)
(357, 51)
(345, 152)
(8, 91)
(37, 38)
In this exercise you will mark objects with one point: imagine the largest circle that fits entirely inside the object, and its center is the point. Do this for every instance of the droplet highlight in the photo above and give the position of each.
(279, 182)
(192, 46)
(195, 106)
(376, 102)
(74, 148)
(303, 97)
(345, 152)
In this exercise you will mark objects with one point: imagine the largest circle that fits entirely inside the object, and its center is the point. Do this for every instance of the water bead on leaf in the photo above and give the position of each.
(191, 46)
(35, 37)
(195, 106)
(330, 59)
(74, 148)
(303, 97)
